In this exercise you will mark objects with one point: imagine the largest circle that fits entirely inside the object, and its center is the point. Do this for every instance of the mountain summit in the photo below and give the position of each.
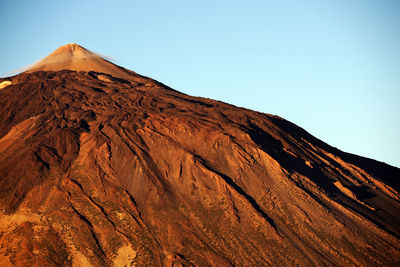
(100, 166)
(77, 58)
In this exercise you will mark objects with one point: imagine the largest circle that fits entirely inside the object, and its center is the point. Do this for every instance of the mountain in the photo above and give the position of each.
(100, 166)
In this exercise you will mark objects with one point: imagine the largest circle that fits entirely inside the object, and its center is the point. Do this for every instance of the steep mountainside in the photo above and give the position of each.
(106, 170)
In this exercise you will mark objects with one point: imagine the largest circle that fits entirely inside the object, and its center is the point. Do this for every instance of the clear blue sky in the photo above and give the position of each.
(330, 66)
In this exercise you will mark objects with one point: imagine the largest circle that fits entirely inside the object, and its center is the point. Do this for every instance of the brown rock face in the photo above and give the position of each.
(97, 169)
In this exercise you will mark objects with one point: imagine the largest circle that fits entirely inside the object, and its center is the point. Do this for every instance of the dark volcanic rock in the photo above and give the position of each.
(103, 170)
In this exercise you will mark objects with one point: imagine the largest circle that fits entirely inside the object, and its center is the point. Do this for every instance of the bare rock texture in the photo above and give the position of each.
(104, 167)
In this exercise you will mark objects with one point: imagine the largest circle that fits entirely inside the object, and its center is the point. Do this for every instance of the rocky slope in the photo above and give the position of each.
(108, 170)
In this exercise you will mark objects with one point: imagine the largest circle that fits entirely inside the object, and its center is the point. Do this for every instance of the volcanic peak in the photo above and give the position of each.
(77, 58)
(71, 47)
